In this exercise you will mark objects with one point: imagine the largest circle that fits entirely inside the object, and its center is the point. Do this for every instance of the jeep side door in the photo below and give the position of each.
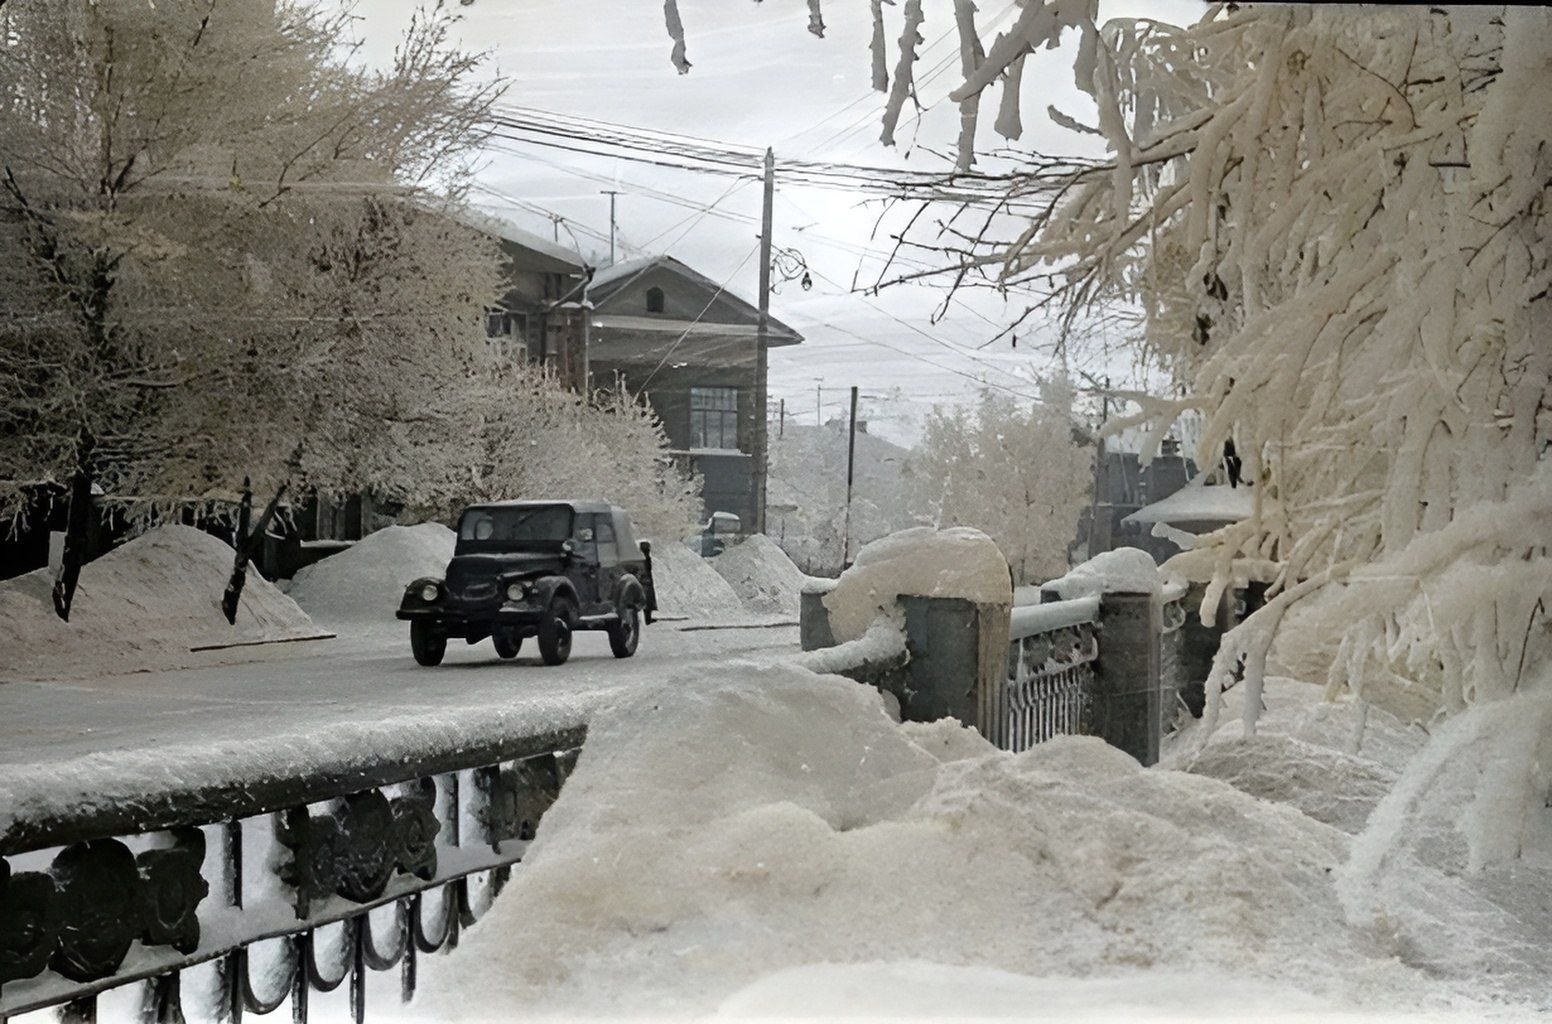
(583, 570)
(609, 568)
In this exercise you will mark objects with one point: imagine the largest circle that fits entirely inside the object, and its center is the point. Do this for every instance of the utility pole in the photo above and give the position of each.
(1099, 468)
(781, 422)
(611, 193)
(851, 461)
(761, 344)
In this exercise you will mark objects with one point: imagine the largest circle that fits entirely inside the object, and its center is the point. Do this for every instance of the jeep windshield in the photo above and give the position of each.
(529, 528)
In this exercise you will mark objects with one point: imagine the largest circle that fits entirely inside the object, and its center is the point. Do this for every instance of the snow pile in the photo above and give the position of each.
(1334, 761)
(1122, 571)
(365, 582)
(762, 575)
(920, 562)
(714, 835)
(687, 585)
(1466, 833)
(140, 607)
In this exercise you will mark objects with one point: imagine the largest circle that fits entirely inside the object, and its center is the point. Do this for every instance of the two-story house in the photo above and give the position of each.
(690, 346)
(542, 315)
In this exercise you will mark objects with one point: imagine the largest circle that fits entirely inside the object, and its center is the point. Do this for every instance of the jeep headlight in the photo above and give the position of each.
(429, 591)
(515, 591)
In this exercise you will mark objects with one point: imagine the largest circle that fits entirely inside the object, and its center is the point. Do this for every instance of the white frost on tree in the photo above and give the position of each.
(1335, 220)
(516, 433)
(213, 274)
(1015, 473)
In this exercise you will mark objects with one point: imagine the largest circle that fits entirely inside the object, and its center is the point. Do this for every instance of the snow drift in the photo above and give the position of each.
(762, 575)
(140, 607)
(714, 835)
(364, 582)
(687, 585)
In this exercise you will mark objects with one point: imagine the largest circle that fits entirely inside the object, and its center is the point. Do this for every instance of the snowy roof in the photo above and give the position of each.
(609, 280)
(1198, 502)
(505, 230)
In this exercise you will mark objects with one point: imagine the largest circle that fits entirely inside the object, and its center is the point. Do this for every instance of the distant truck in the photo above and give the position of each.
(539, 569)
(720, 529)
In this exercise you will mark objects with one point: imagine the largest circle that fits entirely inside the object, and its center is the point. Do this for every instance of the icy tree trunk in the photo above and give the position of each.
(77, 523)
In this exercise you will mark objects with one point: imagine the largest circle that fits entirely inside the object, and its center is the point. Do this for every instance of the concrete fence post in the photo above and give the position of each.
(1127, 709)
(958, 661)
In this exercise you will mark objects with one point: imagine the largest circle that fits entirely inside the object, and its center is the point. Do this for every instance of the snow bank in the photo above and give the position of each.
(920, 562)
(688, 585)
(1121, 571)
(1466, 834)
(762, 575)
(714, 835)
(140, 607)
(1334, 761)
(364, 582)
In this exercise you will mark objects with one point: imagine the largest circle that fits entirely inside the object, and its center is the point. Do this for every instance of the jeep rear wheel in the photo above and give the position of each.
(625, 633)
(427, 647)
(508, 641)
(555, 632)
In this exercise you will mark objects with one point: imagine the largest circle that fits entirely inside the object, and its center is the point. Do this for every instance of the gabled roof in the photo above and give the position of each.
(552, 257)
(609, 281)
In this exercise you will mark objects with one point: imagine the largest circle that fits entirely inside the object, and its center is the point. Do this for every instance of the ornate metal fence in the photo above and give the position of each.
(1054, 664)
(1174, 670)
(263, 893)
(1049, 685)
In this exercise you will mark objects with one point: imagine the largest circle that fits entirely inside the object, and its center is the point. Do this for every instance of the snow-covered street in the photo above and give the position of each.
(88, 741)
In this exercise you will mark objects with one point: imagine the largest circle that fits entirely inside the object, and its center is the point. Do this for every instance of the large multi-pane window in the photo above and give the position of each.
(714, 418)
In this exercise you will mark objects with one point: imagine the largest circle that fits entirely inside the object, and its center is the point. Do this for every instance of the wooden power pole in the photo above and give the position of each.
(761, 428)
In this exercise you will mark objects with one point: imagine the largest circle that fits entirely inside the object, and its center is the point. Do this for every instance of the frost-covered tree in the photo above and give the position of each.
(1014, 472)
(210, 257)
(1335, 221)
(808, 472)
(519, 434)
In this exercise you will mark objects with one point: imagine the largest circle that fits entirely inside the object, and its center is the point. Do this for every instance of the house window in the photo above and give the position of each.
(508, 334)
(654, 300)
(714, 418)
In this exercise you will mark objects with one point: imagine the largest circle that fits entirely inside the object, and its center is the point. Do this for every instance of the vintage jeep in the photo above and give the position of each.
(535, 568)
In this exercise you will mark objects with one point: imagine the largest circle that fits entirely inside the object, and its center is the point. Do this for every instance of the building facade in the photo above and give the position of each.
(660, 329)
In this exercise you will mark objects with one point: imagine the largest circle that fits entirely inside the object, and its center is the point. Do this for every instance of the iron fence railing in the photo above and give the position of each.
(262, 894)
(1053, 662)
(1048, 687)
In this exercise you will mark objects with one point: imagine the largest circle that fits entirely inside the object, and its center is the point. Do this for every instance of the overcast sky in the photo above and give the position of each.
(759, 79)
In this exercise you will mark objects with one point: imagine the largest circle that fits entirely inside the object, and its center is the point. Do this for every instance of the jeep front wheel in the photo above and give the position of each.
(555, 632)
(427, 647)
(625, 632)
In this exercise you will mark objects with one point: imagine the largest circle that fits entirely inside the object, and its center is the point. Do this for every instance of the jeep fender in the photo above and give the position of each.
(630, 593)
(546, 588)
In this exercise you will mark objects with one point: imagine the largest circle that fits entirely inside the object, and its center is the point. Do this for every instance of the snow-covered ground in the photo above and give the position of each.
(777, 846)
(744, 837)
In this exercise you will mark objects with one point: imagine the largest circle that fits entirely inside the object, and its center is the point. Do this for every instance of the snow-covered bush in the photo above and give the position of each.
(1016, 474)
(515, 433)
